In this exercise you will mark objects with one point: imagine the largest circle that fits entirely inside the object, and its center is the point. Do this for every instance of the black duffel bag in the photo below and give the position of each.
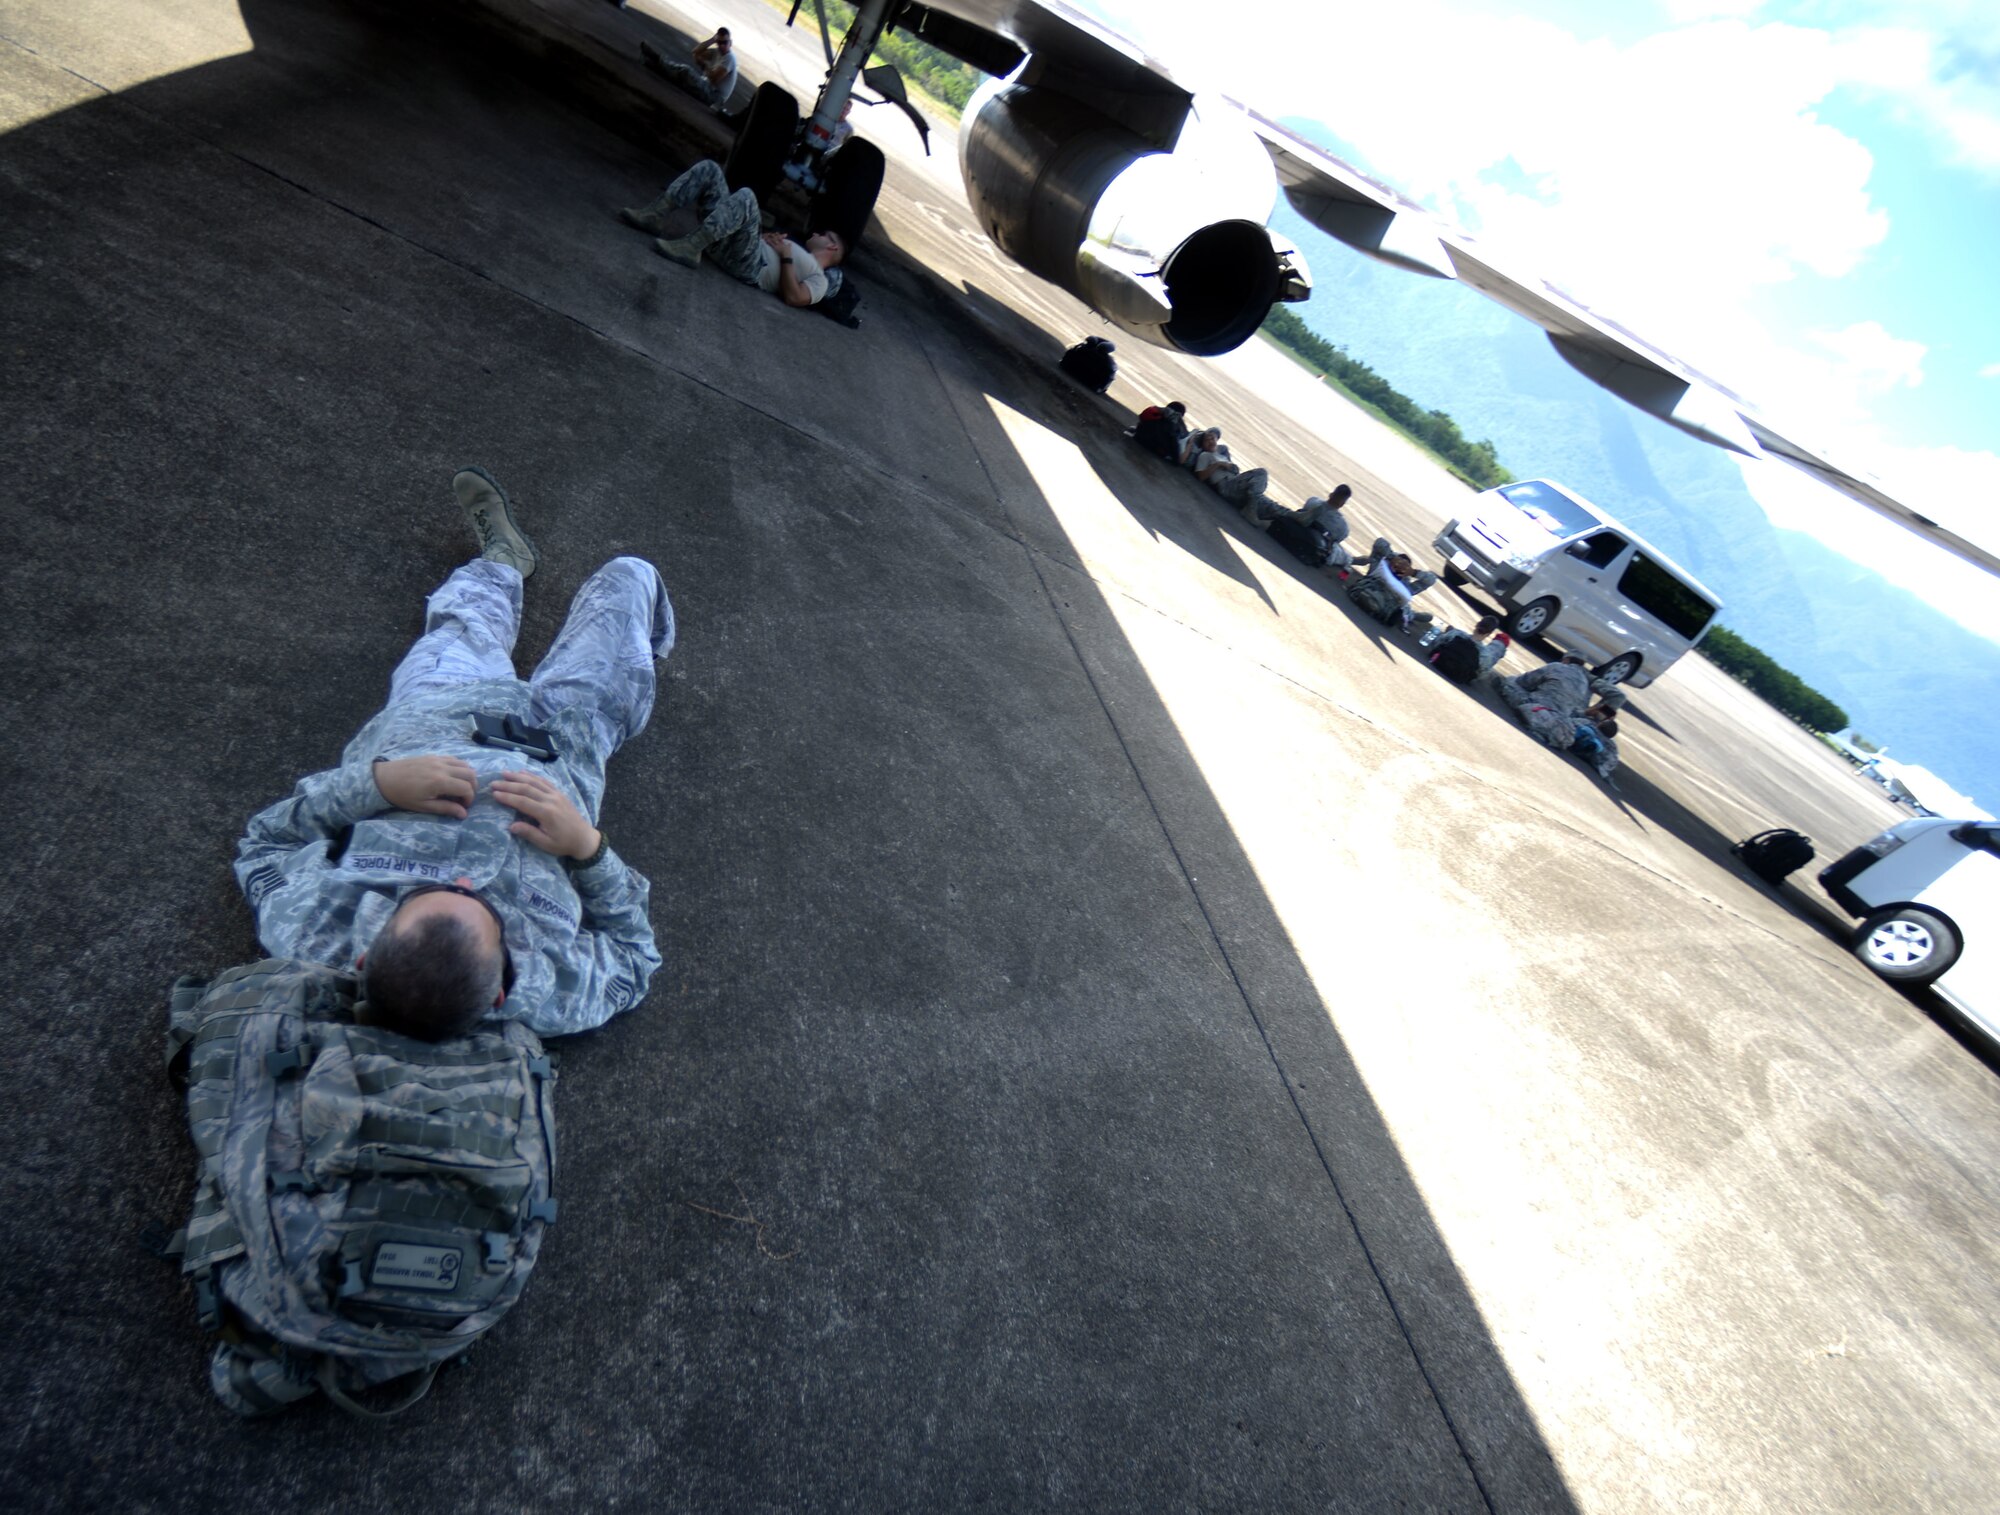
(1309, 544)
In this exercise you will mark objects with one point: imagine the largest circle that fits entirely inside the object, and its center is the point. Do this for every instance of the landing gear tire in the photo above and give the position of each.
(1533, 618)
(764, 142)
(846, 198)
(1907, 946)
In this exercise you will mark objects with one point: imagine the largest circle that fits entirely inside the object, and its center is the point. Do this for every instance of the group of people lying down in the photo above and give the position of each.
(1316, 533)
(1554, 702)
(1163, 430)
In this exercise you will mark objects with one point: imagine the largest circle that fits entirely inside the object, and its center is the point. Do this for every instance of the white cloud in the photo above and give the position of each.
(1990, 371)
(1871, 361)
(1682, 11)
(1945, 483)
(1666, 182)
(1938, 60)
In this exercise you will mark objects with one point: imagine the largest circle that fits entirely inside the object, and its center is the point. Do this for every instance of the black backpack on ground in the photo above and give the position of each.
(1773, 854)
(841, 302)
(1090, 363)
(1159, 436)
(1308, 544)
(1457, 658)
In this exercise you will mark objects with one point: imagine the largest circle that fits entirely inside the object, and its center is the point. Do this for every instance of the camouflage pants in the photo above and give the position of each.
(693, 80)
(1555, 728)
(601, 661)
(1239, 489)
(730, 217)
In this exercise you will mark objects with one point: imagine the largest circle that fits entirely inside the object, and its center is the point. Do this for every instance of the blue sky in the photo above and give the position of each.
(1800, 199)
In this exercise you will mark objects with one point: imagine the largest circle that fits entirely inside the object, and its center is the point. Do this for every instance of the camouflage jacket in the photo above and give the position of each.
(1563, 687)
(324, 868)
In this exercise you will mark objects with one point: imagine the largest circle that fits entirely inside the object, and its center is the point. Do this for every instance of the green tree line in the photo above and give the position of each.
(937, 74)
(1475, 462)
(1778, 687)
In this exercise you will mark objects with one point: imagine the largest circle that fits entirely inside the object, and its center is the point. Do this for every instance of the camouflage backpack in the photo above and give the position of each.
(1377, 598)
(367, 1205)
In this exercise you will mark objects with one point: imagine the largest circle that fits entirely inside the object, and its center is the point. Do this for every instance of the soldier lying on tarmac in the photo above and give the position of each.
(455, 854)
(731, 236)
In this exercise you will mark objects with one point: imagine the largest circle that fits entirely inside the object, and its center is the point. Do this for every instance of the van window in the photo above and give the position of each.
(1554, 511)
(1664, 597)
(1598, 551)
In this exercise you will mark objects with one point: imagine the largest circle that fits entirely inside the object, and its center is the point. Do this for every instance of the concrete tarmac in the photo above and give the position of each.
(1132, 1037)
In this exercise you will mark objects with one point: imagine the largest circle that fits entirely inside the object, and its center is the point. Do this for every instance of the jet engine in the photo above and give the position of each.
(1167, 243)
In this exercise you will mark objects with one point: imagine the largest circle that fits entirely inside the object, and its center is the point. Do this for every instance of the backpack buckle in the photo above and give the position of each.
(282, 1183)
(543, 1210)
(496, 1251)
(278, 1064)
(541, 1067)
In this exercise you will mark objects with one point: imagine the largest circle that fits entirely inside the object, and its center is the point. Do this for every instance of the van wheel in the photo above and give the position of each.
(1620, 668)
(1906, 945)
(1533, 618)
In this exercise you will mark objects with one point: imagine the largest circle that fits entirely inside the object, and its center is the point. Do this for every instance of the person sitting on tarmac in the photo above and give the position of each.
(1325, 510)
(1488, 645)
(1316, 533)
(730, 235)
(1388, 582)
(712, 80)
(1196, 445)
(1240, 487)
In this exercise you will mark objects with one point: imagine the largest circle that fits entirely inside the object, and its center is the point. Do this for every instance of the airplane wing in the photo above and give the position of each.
(1073, 54)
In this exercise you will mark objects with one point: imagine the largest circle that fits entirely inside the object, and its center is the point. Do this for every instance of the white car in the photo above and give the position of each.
(1928, 892)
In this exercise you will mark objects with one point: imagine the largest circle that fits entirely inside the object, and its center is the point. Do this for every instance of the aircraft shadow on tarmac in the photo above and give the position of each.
(1152, 492)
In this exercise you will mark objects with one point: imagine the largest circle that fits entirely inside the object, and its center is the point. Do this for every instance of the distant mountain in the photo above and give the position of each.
(1911, 678)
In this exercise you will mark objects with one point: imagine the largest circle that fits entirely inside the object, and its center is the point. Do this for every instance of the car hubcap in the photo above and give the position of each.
(1899, 944)
(1531, 622)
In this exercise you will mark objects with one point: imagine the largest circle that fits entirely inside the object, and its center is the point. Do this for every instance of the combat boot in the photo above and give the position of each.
(685, 251)
(650, 217)
(486, 507)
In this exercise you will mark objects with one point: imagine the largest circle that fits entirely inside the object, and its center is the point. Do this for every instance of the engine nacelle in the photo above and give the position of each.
(1170, 246)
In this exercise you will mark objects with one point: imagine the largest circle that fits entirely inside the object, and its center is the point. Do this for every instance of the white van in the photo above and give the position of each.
(1561, 568)
(1928, 892)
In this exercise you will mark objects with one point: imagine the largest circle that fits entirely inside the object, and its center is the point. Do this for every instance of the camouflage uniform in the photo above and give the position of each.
(1417, 582)
(731, 217)
(1549, 700)
(695, 82)
(325, 868)
(1387, 597)
(1240, 487)
(1333, 523)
